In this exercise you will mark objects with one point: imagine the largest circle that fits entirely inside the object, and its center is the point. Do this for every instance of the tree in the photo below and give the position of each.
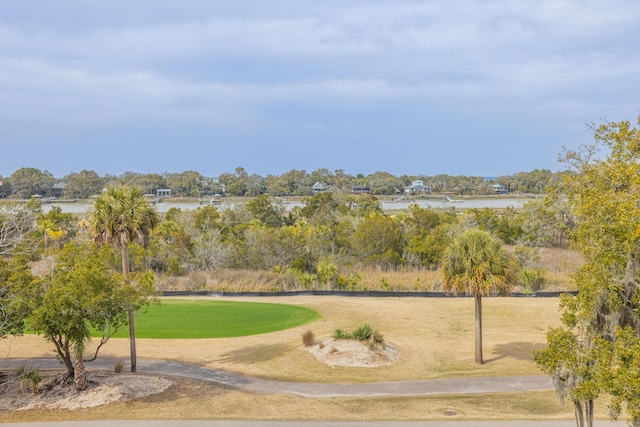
(122, 215)
(209, 252)
(56, 227)
(267, 248)
(504, 225)
(17, 290)
(619, 374)
(206, 218)
(604, 196)
(322, 208)
(364, 205)
(427, 234)
(83, 184)
(27, 182)
(187, 183)
(378, 240)
(236, 184)
(18, 228)
(476, 264)
(570, 358)
(384, 183)
(82, 292)
(268, 213)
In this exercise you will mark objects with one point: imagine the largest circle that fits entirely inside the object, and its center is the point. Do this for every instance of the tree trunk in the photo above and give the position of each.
(132, 340)
(132, 327)
(80, 374)
(589, 412)
(62, 349)
(577, 407)
(479, 330)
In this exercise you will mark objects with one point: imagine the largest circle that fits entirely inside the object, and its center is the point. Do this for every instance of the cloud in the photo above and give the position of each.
(243, 64)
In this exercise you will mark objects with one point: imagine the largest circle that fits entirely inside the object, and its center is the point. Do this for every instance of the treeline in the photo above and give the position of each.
(321, 244)
(26, 182)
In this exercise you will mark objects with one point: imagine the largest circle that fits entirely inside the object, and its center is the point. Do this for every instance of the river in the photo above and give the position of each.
(462, 204)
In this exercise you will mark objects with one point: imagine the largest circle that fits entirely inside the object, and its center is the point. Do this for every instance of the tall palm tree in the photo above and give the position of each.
(123, 215)
(476, 264)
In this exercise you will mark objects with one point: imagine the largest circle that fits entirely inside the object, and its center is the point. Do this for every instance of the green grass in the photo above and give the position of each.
(216, 319)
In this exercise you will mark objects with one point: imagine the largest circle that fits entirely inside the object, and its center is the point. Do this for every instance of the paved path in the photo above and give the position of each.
(404, 388)
(472, 385)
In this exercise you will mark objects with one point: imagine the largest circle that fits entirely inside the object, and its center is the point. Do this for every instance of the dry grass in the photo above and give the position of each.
(434, 337)
(193, 400)
(229, 280)
(557, 264)
(418, 279)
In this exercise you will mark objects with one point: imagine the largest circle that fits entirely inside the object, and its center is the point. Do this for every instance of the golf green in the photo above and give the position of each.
(216, 319)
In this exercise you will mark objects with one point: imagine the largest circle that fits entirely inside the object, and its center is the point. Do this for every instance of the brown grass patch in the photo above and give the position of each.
(193, 400)
(434, 338)
(557, 265)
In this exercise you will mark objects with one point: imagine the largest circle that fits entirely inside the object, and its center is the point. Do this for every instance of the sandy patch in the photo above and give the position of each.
(353, 353)
(102, 389)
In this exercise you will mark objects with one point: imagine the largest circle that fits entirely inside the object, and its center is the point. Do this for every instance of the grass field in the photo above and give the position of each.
(175, 319)
(434, 337)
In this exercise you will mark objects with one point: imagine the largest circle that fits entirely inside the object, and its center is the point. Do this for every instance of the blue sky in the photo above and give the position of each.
(484, 88)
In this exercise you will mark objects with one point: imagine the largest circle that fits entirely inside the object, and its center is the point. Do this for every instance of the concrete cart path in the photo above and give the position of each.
(470, 385)
(404, 388)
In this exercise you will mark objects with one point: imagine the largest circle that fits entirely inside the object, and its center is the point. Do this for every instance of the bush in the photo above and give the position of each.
(363, 333)
(531, 279)
(29, 379)
(327, 273)
(119, 366)
(308, 339)
(340, 334)
(378, 338)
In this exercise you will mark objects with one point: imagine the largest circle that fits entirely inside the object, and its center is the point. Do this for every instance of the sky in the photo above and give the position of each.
(465, 87)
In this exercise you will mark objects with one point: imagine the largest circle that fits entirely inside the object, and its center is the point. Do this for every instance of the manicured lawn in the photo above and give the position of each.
(216, 319)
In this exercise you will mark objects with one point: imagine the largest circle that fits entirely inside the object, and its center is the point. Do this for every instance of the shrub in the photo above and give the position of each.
(29, 379)
(308, 339)
(363, 333)
(119, 366)
(378, 338)
(340, 334)
(351, 283)
(531, 279)
(327, 273)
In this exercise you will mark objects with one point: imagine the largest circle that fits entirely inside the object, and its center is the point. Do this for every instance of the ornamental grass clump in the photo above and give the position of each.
(29, 379)
(308, 339)
(364, 333)
(340, 334)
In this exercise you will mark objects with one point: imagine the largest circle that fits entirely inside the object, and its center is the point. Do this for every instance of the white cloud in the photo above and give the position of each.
(534, 56)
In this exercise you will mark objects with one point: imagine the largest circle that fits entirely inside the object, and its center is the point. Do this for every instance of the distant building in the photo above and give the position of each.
(417, 187)
(318, 187)
(500, 189)
(360, 189)
(163, 192)
(58, 189)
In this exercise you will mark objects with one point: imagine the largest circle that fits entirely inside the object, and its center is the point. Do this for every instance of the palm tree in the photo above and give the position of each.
(476, 264)
(123, 215)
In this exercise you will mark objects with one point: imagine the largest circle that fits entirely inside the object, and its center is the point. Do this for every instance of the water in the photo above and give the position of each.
(498, 203)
